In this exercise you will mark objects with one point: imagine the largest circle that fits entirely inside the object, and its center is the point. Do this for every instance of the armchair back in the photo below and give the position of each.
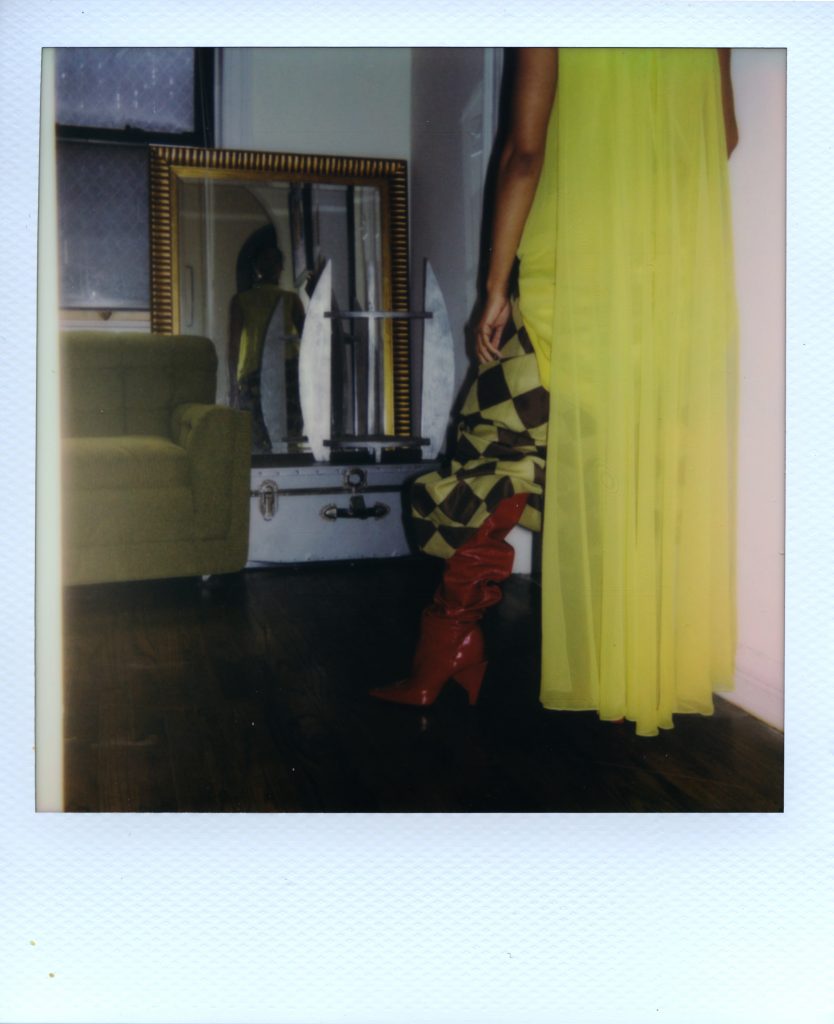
(125, 383)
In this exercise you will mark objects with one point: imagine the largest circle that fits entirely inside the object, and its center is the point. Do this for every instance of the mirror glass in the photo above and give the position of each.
(236, 253)
(248, 257)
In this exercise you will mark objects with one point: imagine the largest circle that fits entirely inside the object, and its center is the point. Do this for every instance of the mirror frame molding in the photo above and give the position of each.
(171, 164)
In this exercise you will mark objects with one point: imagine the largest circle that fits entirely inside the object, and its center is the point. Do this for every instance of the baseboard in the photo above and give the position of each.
(759, 687)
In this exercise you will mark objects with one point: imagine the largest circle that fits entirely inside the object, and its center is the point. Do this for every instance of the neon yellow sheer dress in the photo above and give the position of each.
(627, 294)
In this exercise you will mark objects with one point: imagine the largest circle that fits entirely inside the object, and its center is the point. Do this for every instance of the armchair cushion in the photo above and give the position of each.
(138, 463)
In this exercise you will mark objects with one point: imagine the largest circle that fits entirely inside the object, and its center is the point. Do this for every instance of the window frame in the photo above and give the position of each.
(202, 136)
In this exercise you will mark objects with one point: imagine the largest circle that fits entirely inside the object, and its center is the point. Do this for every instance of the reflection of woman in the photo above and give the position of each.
(252, 313)
(619, 361)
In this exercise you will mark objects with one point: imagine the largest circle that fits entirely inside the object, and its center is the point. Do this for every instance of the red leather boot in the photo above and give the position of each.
(451, 644)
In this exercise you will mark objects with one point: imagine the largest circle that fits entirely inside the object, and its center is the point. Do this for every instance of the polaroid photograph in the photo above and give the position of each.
(415, 555)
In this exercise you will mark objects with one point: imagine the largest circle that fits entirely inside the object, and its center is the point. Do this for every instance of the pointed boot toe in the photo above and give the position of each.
(405, 692)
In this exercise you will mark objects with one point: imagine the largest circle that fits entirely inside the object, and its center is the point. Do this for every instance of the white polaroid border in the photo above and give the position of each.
(360, 918)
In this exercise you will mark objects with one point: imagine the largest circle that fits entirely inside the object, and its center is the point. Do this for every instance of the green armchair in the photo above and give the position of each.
(155, 474)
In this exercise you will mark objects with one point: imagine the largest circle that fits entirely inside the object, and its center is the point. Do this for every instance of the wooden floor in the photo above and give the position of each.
(250, 695)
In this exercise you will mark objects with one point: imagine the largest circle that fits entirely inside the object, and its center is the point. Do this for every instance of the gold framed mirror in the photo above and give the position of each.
(209, 208)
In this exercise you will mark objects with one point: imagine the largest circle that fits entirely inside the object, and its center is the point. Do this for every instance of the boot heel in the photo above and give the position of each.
(470, 679)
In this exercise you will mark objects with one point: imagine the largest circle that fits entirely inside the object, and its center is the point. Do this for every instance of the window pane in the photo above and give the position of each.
(151, 89)
(103, 226)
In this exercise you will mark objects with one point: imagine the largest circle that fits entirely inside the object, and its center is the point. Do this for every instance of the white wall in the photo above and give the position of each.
(450, 147)
(757, 175)
(333, 102)
(318, 101)
(426, 106)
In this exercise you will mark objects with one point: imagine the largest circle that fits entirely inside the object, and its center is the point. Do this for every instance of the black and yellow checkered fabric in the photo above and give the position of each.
(499, 451)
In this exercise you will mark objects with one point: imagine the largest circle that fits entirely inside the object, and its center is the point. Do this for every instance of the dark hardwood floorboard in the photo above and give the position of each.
(250, 694)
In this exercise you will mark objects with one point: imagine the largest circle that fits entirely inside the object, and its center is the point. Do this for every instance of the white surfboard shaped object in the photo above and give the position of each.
(438, 367)
(314, 367)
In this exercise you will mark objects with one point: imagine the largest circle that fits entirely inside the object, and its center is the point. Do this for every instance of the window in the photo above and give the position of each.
(111, 104)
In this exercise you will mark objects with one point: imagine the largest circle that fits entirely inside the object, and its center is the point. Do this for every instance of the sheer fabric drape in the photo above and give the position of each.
(627, 293)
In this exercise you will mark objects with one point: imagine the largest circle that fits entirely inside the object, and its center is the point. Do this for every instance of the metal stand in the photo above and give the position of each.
(316, 386)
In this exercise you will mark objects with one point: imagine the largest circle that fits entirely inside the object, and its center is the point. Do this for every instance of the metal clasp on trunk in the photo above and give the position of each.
(357, 509)
(354, 479)
(267, 495)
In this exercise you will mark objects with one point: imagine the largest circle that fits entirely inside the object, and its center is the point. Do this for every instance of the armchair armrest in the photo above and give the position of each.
(217, 441)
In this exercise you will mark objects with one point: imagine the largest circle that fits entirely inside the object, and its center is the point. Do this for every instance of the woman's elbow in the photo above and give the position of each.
(731, 136)
(523, 161)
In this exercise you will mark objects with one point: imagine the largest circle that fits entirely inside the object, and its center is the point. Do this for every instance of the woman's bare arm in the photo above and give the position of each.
(519, 170)
(730, 126)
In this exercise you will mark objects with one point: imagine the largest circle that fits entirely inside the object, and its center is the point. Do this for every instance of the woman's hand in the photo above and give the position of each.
(496, 313)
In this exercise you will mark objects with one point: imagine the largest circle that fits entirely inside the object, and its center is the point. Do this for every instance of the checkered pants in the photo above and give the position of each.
(500, 451)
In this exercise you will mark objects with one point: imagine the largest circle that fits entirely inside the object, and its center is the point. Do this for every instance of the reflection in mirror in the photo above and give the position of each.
(253, 271)
(238, 243)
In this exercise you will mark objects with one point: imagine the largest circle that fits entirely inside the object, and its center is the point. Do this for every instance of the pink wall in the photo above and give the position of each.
(757, 174)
